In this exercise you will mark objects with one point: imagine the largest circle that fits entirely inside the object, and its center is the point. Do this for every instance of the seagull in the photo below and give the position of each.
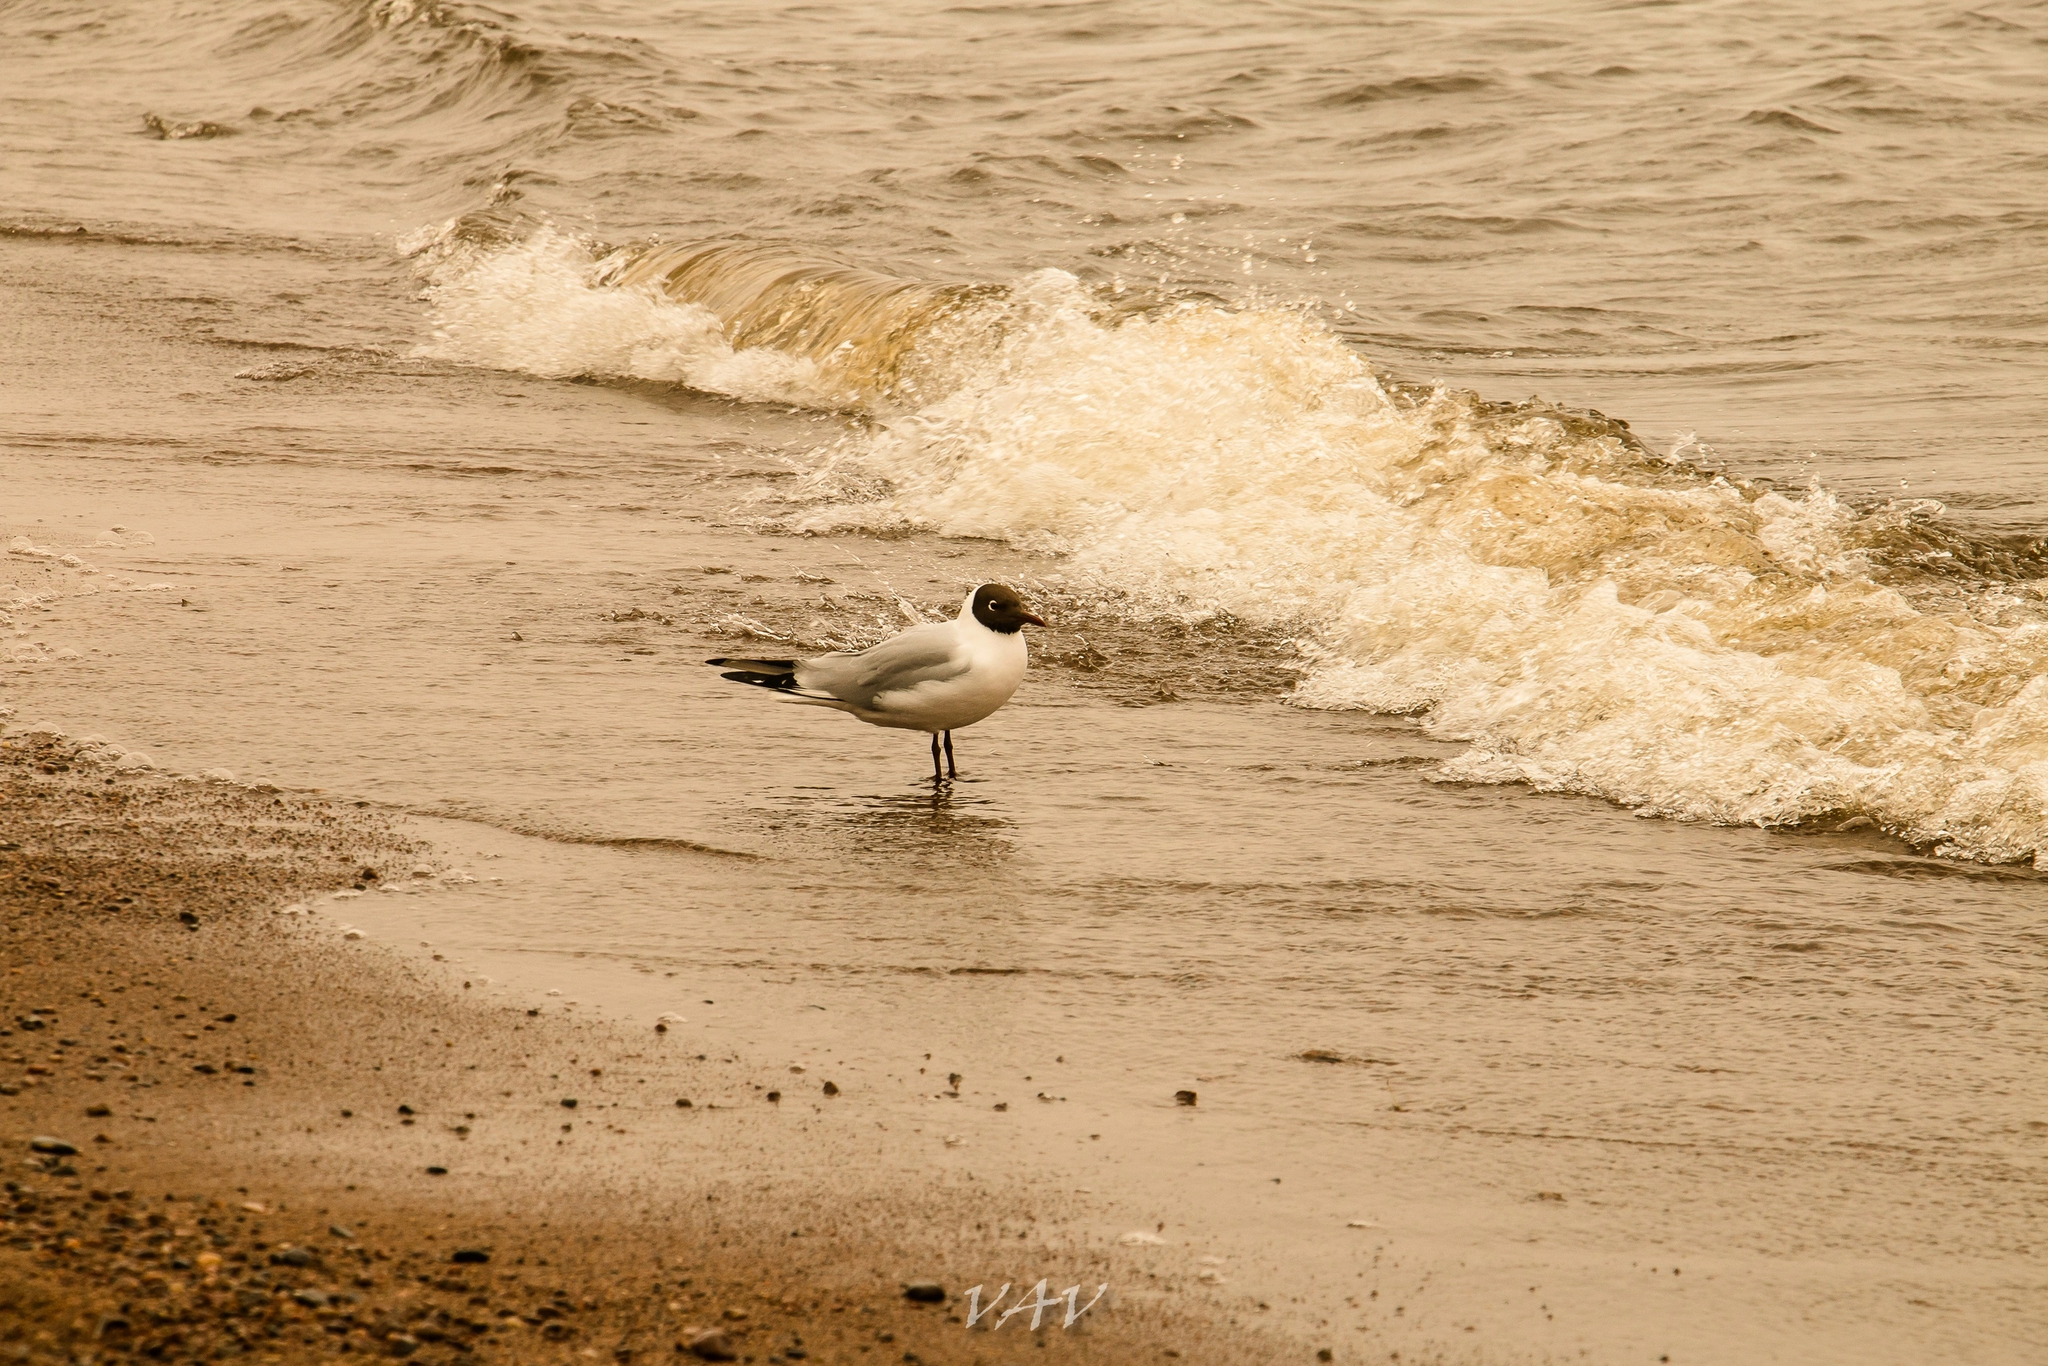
(936, 677)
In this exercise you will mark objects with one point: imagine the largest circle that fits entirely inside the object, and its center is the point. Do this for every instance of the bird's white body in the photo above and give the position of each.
(936, 677)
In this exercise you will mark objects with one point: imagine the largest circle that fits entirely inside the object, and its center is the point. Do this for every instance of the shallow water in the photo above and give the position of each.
(384, 479)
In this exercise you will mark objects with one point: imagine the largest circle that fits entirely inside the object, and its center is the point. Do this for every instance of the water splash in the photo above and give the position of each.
(548, 304)
(1590, 616)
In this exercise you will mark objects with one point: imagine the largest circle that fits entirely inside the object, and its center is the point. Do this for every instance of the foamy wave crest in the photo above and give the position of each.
(877, 342)
(549, 304)
(1590, 620)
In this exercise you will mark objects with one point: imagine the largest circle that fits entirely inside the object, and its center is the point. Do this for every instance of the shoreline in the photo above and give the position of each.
(1779, 1063)
(311, 1149)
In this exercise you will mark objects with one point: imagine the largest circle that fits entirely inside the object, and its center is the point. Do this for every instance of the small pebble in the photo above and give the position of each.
(710, 1344)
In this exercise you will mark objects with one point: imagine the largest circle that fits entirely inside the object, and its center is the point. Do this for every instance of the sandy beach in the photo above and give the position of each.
(249, 1142)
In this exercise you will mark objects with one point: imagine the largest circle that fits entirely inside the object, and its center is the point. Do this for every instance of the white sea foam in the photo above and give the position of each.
(537, 306)
(1591, 621)
(1683, 646)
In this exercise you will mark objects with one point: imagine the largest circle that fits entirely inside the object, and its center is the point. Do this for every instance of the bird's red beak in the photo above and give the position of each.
(1034, 618)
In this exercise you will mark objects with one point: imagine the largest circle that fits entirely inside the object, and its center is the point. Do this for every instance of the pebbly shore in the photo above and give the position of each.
(229, 1138)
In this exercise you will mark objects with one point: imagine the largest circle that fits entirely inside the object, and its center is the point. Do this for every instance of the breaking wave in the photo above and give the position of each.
(1589, 616)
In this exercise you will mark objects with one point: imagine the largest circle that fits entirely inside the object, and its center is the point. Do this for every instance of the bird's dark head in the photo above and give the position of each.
(998, 607)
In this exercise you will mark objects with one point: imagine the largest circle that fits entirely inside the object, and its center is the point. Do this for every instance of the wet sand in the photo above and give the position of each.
(229, 1138)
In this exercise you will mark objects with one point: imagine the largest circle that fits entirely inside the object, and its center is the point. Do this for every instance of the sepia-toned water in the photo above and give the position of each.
(1540, 509)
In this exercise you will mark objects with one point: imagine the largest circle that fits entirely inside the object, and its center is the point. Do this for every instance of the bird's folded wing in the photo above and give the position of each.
(923, 654)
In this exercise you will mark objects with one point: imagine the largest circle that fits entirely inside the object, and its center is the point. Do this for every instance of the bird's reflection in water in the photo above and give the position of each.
(942, 823)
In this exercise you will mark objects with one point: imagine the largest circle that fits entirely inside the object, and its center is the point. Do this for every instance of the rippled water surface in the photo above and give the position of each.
(1540, 509)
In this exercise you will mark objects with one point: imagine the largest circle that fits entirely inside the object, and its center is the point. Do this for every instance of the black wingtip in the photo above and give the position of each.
(763, 666)
(783, 681)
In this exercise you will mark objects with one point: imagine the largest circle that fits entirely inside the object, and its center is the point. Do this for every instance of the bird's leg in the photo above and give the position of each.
(936, 775)
(951, 772)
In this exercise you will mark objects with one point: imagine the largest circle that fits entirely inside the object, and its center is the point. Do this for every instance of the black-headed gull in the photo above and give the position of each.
(936, 677)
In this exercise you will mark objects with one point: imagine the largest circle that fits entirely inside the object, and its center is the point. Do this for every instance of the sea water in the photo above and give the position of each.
(1539, 511)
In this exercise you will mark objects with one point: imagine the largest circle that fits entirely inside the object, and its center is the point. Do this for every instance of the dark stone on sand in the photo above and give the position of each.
(291, 1256)
(97, 1112)
(437, 1171)
(189, 920)
(52, 1147)
(925, 1292)
(470, 1256)
(405, 1109)
(683, 1104)
(775, 1097)
(831, 1088)
(1184, 1097)
(336, 1230)
(712, 1344)
(206, 1069)
(312, 1299)
(568, 1102)
(401, 1344)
